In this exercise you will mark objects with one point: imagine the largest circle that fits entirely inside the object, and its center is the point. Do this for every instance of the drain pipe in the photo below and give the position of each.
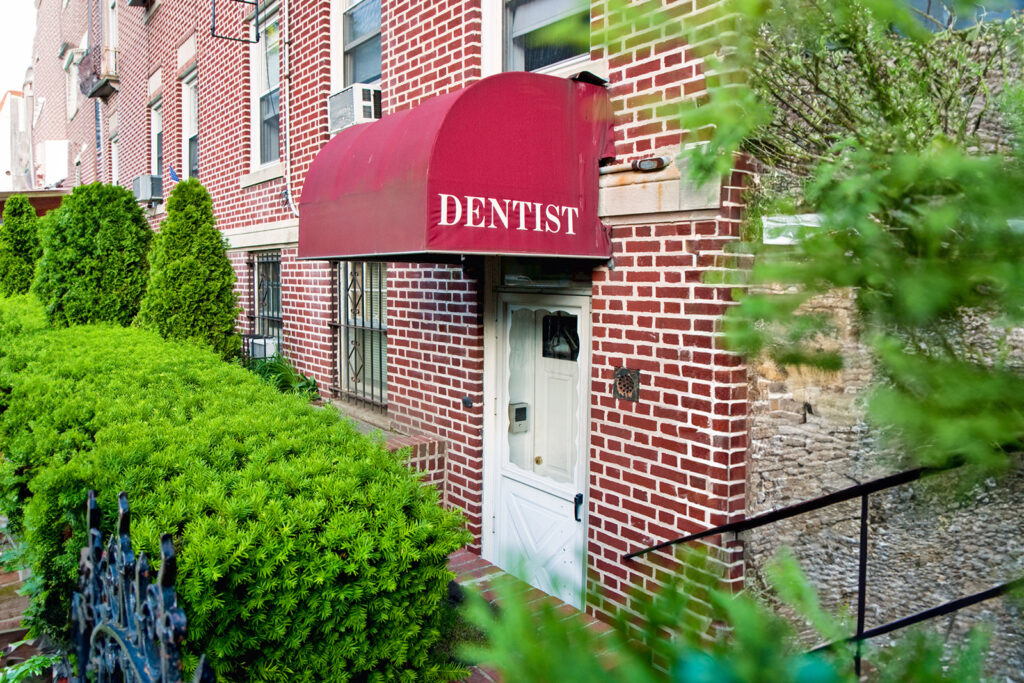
(287, 76)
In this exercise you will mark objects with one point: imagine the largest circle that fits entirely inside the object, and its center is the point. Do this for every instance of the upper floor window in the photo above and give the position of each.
(361, 50)
(190, 126)
(71, 80)
(109, 65)
(266, 81)
(156, 138)
(527, 43)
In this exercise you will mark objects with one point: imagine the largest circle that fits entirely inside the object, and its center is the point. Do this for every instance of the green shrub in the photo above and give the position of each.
(93, 267)
(190, 295)
(280, 374)
(307, 552)
(19, 246)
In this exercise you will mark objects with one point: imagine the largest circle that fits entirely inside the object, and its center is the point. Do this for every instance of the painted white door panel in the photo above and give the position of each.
(541, 466)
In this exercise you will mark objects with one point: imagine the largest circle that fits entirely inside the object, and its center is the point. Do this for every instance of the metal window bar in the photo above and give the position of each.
(861, 491)
(267, 292)
(363, 338)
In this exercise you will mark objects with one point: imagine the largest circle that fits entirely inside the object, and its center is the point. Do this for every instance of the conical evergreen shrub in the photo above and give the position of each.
(190, 295)
(19, 246)
(94, 266)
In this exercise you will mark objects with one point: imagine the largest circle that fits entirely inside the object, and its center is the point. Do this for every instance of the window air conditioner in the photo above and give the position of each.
(262, 347)
(355, 104)
(148, 189)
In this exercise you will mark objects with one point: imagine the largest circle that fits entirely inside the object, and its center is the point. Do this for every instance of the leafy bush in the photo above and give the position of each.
(93, 267)
(307, 552)
(190, 295)
(279, 373)
(19, 246)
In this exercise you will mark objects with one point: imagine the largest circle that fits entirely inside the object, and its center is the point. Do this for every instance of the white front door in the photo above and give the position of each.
(542, 441)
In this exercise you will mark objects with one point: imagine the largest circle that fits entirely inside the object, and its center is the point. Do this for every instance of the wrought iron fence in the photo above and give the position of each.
(124, 626)
(861, 491)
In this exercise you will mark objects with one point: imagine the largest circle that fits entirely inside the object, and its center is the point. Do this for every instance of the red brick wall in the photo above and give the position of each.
(435, 329)
(429, 48)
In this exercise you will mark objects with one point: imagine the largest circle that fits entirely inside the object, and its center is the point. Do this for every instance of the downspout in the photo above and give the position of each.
(287, 111)
(95, 105)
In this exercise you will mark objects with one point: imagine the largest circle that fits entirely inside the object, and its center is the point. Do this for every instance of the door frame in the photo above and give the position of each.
(496, 414)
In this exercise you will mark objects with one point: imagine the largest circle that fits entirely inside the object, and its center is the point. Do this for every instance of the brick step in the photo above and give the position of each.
(13, 609)
(7, 578)
(11, 631)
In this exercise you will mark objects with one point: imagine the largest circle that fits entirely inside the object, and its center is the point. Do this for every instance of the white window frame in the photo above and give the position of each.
(189, 119)
(499, 48)
(115, 160)
(72, 82)
(157, 158)
(268, 16)
(110, 30)
(340, 72)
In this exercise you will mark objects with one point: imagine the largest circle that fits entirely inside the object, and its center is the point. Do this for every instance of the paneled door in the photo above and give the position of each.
(540, 516)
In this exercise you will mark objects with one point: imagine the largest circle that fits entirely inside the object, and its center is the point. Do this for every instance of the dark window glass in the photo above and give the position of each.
(362, 42)
(193, 156)
(561, 339)
(270, 120)
(159, 170)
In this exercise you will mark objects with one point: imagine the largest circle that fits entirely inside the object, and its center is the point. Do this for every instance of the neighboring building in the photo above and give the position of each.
(443, 273)
(14, 142)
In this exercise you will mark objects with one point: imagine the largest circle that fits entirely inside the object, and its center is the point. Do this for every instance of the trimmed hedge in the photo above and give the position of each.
(94, 267)
(190, 295)
(307, 552)
(19, 246)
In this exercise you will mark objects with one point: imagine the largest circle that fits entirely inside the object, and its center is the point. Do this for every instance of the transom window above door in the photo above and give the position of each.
(530, 45)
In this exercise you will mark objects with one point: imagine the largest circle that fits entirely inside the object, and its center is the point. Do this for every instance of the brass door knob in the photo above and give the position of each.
(538, 460)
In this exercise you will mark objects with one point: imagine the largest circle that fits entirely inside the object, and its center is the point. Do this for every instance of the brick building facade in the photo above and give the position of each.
(424, 350)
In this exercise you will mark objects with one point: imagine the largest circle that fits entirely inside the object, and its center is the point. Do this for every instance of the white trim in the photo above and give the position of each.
(189, 118)
(492, 37)
(263, 236)
(783, 229)
(668, 190)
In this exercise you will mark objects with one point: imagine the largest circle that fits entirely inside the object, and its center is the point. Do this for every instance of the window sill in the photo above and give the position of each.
(262, 175)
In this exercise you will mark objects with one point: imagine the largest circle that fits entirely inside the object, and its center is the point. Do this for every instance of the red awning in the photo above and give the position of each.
(508, 165)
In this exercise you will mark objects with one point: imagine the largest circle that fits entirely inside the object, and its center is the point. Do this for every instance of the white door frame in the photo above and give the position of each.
(496, 414)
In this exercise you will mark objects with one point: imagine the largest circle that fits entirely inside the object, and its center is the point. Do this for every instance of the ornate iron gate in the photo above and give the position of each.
(124, 626)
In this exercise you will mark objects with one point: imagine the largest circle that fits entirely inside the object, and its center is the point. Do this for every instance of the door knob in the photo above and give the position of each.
(538, 460)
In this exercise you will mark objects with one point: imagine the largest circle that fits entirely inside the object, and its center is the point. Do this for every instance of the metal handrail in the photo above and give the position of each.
(797, 509)
(861, 491)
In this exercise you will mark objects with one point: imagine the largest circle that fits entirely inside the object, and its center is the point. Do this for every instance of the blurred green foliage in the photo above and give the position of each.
(903, 133)
(693, 631)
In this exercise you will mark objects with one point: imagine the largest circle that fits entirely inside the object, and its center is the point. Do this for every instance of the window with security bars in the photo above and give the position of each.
(363, 338)
(268, 304)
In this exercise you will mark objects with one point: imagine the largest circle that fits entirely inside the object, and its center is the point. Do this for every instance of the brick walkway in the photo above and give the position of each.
(472, 571)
